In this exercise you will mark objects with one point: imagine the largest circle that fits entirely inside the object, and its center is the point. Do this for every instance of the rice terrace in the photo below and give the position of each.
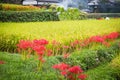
(49, 42)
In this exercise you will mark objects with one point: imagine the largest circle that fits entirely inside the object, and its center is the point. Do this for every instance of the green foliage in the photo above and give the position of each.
(115, 64)
(30, 16)
(16, 69)
(70, 14)
(89, 59)
(103, 72)
(86, 59)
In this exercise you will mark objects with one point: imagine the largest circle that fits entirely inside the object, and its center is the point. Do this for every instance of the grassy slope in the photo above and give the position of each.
(16, 69)
(103, 72)
(62, 30)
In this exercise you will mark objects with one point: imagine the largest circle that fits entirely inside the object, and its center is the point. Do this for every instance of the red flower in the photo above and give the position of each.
(55, 43)
(2, 62)
(41, 59)
(66, 47)
(24, 44)
(39, 48)
(61, 66)
(70, 77)
(96, 39)
(106, 44)
(82, 76)
(66, 55)
(75, 70)
(40, 42)
(64, 73)
(49, 53)
(113, 35)
(56, 66)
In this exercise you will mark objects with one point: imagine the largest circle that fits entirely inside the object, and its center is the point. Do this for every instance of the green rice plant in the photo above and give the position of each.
(8, 42)
(15, 7)
(64, 32)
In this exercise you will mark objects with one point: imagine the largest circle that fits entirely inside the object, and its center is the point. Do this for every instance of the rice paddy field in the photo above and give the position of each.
(62, 31)
(88, 50)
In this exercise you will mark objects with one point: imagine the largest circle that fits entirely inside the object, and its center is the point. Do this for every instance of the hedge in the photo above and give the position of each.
(99, 15)
(27, 16)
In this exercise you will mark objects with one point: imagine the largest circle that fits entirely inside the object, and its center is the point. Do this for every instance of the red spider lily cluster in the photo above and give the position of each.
(71, 73)
(96, 39)
(58, 48)
(37, 46)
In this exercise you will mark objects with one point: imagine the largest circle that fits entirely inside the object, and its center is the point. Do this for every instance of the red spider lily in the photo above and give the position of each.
(64, 73)
(82, 76)
(70, 77)
(24, 44)
(61, 66)
(49, 52)
(39, 48)
(40, 42)
(41, 59)
(85, 43)
(66, 47)
(40, 53)
(2, 62)
(96, 39)
(75, 70)
(55, 43)
(75, 43)
(106, 44)
(71, 73)
(113, 35)
(66, 55)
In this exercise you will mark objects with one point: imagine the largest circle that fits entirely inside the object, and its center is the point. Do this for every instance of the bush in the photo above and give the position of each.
(27, 16)
(70, 14)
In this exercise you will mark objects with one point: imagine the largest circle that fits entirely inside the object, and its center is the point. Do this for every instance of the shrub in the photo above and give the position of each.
(70, 14)
(29, 16)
